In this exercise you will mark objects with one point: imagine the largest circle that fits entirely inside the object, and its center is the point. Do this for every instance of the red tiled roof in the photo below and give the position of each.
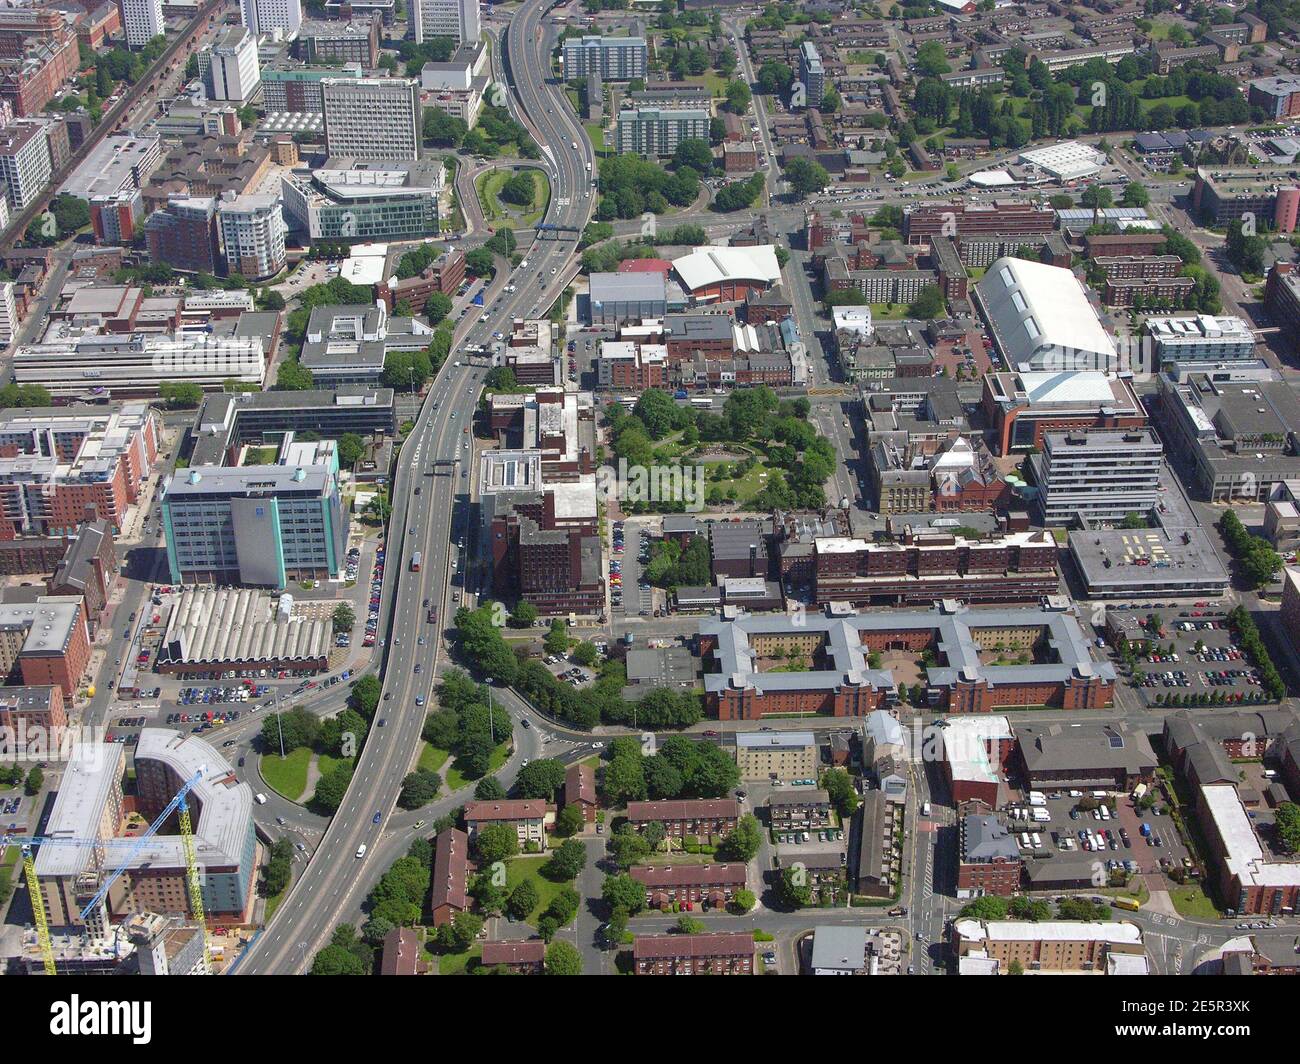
(704, 875)
(580, 784)
(645, 266)
(689, 809)
(401, 952)
(729, 943)
(450, 861)
(518, 809)
(531, 951)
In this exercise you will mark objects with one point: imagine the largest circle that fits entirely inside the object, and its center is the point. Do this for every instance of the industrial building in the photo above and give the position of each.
(240, 628)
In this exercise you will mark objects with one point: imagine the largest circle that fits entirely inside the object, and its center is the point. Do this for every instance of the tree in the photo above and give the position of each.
(557, 638)
(180, 395)
(278, 870)
(566, 861)
(1135, 195)
(569, 821)
(523, 615)
(293, 377)
(32, 395)
(496, 842)
(989, 907)
(458, 935)
(928, 304)
(519, 189)
(331, 788)
(338, 960)
(343, 617)
(35, 781)
(806, 176)
(839, 787)
(738, 97)
(540, 779)
(365, 694)
(419, 788)
(351, 448)
(562, 959)
(742, 901)
(742, 843)
(694, 153)
(489, 789)
(792, 887)
(586, 654)
(623, 892)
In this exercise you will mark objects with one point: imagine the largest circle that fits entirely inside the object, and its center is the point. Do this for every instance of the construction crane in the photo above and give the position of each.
(39, 916)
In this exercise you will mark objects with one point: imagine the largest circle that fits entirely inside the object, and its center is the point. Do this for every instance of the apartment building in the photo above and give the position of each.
(656, 132)
(812, 74)
(725, 953)
(706, 819)
(47, 641)
(184, 234)
(799, 809)
(528, 818)
(35, 68)
(8, 314)
(63, 466)
(627, 366)
(32, 715)
(925, 566)
(355, 40)
(252, 236)
(373, 118)
(264, 17)
(25, 166)
(706, 886)
(609, 58)
(1051, 945)
(988, 858)
(1096, 477)
(229, 68)
(526, 957)
(259, 525)
(457, 19)
(1279, 96)
(782, 756)
(449, 893)
(580, 790)
(142, 21)
(1010, 217)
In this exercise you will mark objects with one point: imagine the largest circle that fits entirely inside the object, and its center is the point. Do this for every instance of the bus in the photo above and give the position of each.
(1122, 902)
(415, 562)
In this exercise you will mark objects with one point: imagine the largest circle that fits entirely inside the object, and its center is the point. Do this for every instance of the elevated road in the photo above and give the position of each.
(433, 523)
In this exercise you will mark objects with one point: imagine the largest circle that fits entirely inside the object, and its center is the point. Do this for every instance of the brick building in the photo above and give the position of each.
(711, 885)
(580, 790)
(448, 887)
(706, 819)
(989, 859)
(518, 958)
(526, 816)
(727, 953)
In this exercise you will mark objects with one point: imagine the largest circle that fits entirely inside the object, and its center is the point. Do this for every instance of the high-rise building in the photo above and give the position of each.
(267, 16)
(142, 20)
(24, 164)
(262, 525)
(812, 73)
(252, 235)
(184, 234)
(652, 131)
(1098, 476)
(229, 68)
(458, 19)
(372, 118)
(8, 314)
(612, 58)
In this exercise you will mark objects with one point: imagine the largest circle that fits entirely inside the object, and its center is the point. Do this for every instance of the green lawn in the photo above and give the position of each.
(260, 455)
(456, 778)
(457, 963)
(273, 903)
(488, 186)
(746, 487)
(885, 312)
(287, 776)
(521, 868)
(596, 134)
(432, 759)
(325, 762)
(7, 865)
(1191, 901)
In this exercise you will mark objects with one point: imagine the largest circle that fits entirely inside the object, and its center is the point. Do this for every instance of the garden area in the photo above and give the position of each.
(515, 196)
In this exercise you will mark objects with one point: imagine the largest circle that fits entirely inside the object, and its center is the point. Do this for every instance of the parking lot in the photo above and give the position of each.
(1193, 657)
(629, 594)
(1088, 835)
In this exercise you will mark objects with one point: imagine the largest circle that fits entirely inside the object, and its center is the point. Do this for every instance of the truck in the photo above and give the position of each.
(1042, 816)
(1139, 791)
(415, 562)
(1038, 799)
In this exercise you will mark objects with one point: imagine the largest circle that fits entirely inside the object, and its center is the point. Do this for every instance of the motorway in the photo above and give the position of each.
(335, 880)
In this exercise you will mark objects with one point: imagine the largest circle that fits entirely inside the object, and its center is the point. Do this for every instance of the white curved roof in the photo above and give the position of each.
(1042, 317)
(714, 265)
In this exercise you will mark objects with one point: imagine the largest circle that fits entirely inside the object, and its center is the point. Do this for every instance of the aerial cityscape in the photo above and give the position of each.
(649, 487)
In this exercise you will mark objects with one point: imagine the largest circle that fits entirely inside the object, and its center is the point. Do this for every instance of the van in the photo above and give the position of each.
(261, 799)
(361, 850)
(1037, 840)
(925, 809)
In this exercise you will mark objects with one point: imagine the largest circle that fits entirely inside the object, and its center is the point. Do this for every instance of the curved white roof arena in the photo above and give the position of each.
(710, 266)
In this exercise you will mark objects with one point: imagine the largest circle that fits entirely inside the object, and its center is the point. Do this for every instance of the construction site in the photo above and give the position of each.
(129, 882)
